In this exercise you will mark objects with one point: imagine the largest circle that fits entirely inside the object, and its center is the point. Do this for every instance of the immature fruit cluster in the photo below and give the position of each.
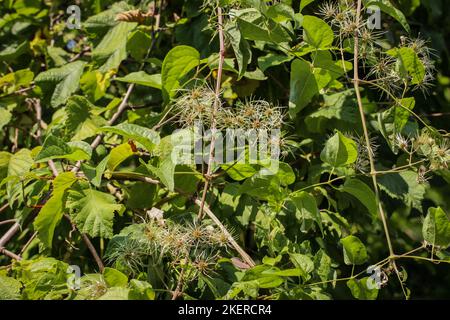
(192, 244)
(197, 105)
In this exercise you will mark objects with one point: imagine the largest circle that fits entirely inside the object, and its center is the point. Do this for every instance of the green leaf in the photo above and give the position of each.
(264, 187)
(304, 3)
(354, 250)
(138, 44)
(401, 115)
(360, 289)
(143, 79)
(387, 7)
(254, 26)
(147, 137)
(5, 117)
(339, 151)
(51, 213)
(240, 46)
(110, 52)
(56, 148)
(403, 186)
(303, 85)
(95, 83)
(19, 164)
(80, 121)
(9, 288)
(118, 155)
(165, 172)
(305, 207)
(362, 192)
(240, 171)
(280, 12)
(99, 170)
(140, 290)
(14, 80)
(436, 228)
(116, 293)
(272, 60)
(114, 278)
(338, 107)
(409, 63)
(63, 81)
(177, 63)
(93, 211)
(317, 32)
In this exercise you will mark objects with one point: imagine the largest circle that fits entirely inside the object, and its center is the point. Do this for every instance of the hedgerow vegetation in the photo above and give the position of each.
(93, 102)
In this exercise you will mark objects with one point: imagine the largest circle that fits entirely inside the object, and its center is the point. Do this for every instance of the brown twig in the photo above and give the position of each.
(177, 292)
(214, 111)
(4, 207)
(373, 172)
(10, 254)
(7, 221)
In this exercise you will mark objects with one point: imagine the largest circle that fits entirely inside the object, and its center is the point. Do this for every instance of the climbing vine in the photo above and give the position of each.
(224, 149)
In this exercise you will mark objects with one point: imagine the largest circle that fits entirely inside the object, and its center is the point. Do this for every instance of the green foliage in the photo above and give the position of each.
(92, 121)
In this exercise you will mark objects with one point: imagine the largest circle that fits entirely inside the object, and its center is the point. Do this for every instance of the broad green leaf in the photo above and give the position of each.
(317, 32)
(93, 211)
(362, 192)
(105, 20)
(116, 293)
(409, 63)
(302, 262)
(177, 63)
(280, 12)
(140, 290)
(354, 250)
(303, 85)
(165, 172)
(14, 50)
(272, 60)
(304, 3)
(240, 47)
(14, 80)
(114, 278)
(9, 288)
(56, 148)
(43, 278)
(339, 151)
(401, 115)
(305, 207)
(264, 187)
(51, 213)
(99, 170)
(269, 282)
(240, 171)
(80, 121)
(5, 117)
(147, 137)
(254, 26)
(436, 228)
(403, 186)
(63, 81)
(19, 164)
(360, 289)
(138, 44)
(110, 52)
(143, 79)
(95, 83)
(118, 155)
(4, 161)
(387, 7)
(338, 108)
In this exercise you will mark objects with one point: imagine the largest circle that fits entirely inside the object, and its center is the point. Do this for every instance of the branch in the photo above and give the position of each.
(373, 172)
(214, 111)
